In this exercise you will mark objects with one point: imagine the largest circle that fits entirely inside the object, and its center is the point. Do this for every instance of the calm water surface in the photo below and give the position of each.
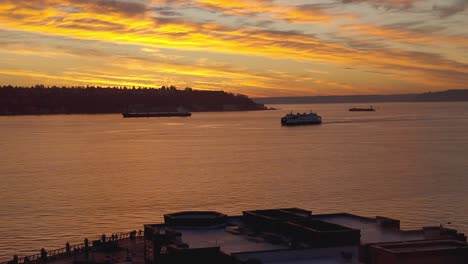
(64, 178)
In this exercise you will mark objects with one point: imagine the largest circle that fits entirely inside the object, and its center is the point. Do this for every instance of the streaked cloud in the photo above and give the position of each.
(260, 47)
(449, 8)
(407, 35)
(397, 4)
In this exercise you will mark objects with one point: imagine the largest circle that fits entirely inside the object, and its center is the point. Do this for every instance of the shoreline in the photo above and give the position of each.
(120, 113)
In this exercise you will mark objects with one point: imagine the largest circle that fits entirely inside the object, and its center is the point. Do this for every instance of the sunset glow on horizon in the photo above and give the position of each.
(254, 47)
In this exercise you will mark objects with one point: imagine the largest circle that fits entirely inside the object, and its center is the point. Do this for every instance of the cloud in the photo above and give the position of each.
(424, 36)
(456, 7)
(92, 24)
(167, 11)
(258, 9)
(387, 4)
(239, 41)
(305, 14)
(125, 7)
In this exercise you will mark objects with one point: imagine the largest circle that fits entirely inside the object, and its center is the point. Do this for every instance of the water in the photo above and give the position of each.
(67, 177)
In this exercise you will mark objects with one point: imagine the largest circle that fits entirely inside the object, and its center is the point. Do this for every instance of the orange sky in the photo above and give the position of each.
(254, 47)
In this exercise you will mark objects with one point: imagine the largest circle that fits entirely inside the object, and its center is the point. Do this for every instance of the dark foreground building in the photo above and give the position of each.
(297, 236)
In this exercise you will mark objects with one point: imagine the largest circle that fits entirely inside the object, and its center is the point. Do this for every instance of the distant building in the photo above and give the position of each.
(296, 236)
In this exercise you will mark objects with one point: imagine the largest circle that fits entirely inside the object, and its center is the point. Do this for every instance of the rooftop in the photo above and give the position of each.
(422, 246)
(232, 238)
(372, 231)
(296, 236)
(276, 236)
(303, 256)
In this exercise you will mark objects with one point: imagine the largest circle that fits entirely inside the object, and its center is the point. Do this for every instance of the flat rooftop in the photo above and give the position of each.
(245, 241)
(244, 244)
(229, 242)
(195, 216)
(281, 214)
(422, 246)
(303, 256)
(239, 236)
(371, 230)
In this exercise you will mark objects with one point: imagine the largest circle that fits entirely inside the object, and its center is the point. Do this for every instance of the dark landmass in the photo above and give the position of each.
(93, 100)
(445, 96)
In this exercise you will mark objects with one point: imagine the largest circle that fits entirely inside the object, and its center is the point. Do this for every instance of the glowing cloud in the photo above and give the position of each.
(255, 47)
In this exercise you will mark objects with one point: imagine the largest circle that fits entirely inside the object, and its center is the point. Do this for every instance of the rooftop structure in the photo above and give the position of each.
(276, 236)
(384, 229)
(317, 233)
(195, 219)
(289, 235)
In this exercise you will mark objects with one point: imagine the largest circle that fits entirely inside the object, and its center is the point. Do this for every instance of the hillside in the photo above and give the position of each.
(89, 100)
(445, 96)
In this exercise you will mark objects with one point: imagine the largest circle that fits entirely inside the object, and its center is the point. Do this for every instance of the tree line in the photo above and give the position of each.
(40, 99)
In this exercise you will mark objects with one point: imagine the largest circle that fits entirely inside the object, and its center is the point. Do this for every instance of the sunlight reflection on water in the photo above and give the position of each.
(74, 176)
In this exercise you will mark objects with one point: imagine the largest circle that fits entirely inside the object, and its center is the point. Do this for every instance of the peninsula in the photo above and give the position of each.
(40, 99)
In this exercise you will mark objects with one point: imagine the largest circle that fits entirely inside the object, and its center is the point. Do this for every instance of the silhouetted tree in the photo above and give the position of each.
(18, 100)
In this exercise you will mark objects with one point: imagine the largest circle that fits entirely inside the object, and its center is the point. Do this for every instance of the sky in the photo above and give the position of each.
(259, 48)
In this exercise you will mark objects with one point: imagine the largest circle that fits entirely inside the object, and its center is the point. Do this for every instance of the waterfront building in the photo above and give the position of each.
(273, 236)
(297, 236)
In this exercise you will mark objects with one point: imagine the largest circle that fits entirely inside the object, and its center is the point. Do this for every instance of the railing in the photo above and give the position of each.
(72, 250)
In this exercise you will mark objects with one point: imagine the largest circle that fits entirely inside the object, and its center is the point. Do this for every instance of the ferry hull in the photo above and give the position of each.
(301, 123)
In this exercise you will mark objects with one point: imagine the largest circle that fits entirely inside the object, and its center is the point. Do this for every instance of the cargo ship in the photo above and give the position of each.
(360, 109)
(157, 114)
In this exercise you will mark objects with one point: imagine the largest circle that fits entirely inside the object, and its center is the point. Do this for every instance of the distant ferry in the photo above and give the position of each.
(301, 119)
(156, 114)
(358, 109)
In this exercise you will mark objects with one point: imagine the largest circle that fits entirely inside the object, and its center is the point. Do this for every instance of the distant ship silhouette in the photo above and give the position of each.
(360, 109)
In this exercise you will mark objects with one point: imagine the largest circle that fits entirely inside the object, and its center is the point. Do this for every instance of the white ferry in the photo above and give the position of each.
(301, 119)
